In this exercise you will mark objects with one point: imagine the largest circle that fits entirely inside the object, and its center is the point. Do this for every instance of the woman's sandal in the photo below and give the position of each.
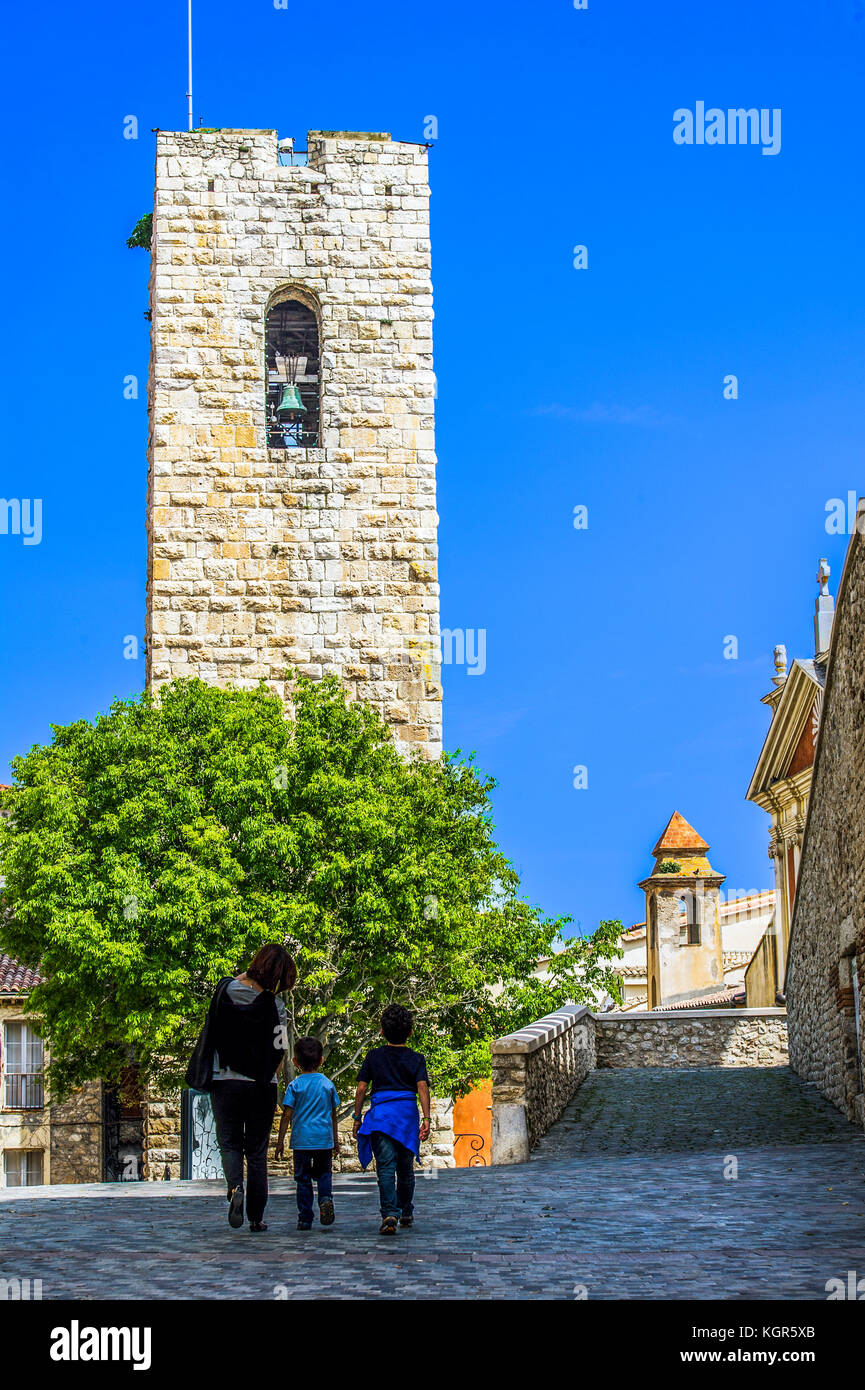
(235, 1208)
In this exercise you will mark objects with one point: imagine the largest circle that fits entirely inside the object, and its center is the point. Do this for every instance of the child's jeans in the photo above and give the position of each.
(309, 1165)
(394, 1167)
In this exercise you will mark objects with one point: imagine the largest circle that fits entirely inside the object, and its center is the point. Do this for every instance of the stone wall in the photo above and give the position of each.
(827, 937)
(437, 1152)
(162, 1136)
(536, 1072)
(323, 559)
(163, 1140)
(76, 1130)
(693, 1038)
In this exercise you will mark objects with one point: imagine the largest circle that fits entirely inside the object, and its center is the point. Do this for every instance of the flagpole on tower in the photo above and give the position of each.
(189, 46)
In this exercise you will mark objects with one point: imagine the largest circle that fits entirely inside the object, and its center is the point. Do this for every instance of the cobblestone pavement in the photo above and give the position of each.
(646, 1109)
(607, 1209)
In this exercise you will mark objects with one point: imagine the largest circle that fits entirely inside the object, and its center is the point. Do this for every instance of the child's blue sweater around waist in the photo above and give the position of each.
(394, 1113)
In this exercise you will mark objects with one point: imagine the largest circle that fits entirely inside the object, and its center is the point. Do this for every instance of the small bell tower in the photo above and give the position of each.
(683, 918)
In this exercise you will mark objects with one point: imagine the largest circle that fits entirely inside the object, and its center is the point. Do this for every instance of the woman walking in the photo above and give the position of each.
(249, 1032)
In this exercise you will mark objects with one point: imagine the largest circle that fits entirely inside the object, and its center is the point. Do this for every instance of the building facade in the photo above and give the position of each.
(825, 974)
(291, 501)
(781, 785)
(25, 1138)
(90, 1137)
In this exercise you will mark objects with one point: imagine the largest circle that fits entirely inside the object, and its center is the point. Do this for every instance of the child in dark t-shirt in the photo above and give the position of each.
(396, 1077)
(393, 1068)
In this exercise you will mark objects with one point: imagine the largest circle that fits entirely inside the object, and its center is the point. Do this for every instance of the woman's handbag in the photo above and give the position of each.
(199, 1073)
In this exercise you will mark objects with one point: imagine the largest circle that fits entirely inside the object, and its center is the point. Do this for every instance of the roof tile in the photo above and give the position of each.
(16, 978)
(735, 994)
(678, 834)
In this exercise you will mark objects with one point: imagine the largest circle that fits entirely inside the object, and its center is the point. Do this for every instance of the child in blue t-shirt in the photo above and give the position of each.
(310, 1106)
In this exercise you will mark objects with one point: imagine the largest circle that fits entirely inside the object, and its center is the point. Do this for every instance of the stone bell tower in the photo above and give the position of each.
(683, 918)
(291, 496)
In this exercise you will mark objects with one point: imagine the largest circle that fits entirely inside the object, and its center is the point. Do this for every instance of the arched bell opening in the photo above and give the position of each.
(689, 910)
(293, 366)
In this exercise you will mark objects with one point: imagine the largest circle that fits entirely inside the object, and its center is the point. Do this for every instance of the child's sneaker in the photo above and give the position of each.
(388, 1226)
(326, 1212)
(304, 1225)
(406, 1221)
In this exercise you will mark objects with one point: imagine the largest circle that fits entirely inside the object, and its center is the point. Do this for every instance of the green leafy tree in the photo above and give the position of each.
(152, 851)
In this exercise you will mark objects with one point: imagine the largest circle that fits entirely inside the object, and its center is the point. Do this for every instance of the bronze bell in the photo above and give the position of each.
(290, 403)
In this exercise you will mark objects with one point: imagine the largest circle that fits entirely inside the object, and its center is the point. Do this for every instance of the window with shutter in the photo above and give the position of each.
(23, 1064)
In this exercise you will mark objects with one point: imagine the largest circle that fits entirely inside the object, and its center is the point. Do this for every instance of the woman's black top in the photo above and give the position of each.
(248, 1036)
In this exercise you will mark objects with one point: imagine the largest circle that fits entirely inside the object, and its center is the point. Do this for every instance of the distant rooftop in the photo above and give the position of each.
(16, 978)
(678, 834)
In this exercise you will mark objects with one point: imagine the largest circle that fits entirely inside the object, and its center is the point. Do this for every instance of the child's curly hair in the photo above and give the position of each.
(397, 1023)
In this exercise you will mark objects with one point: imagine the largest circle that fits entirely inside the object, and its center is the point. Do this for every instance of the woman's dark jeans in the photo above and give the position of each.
(394, 1168)
(244, 1112)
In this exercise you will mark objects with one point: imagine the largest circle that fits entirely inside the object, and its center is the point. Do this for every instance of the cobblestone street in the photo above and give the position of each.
(626, 1197)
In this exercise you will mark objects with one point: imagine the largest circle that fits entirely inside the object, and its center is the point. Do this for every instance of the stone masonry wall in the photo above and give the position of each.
(320, 559)
(76, 1136)
(827, 934)
(163, 1140)
(704, 1038)
(437, 1152)
(162, 1136)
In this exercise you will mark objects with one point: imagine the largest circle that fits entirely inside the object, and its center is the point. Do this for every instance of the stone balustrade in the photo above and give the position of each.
(536, 1072)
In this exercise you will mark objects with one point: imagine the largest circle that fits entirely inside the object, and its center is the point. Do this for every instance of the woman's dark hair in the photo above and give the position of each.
(396, 1023)
(309, 1053)
(273, 968)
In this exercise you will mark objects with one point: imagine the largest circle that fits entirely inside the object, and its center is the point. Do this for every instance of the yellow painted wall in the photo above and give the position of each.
(761, 983)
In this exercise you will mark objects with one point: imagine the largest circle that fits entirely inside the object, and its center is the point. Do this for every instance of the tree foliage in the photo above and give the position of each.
(153, 850)
(669, 866)
(142, 233)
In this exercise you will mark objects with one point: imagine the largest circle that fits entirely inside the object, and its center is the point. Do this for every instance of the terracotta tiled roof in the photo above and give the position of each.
(16, 978)
(733, 995)
(634, 1004)
(747, 902)
(678, 834)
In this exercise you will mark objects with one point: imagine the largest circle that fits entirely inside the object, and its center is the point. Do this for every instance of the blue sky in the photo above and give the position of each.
(557, 387)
